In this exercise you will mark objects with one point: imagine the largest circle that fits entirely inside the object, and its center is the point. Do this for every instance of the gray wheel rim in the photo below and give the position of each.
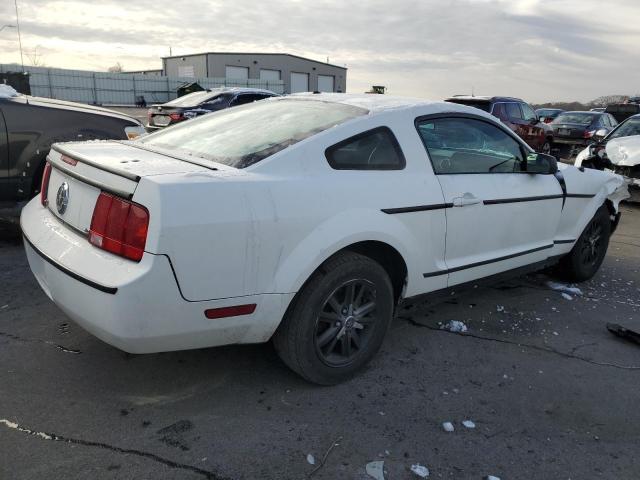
(592, 244)
(345, 322)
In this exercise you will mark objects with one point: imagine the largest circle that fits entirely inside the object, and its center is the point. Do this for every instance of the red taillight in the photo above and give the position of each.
(44, 186)
(176, 116)
(548, 120)
(234, 311)
(589, 134)
(119, 226)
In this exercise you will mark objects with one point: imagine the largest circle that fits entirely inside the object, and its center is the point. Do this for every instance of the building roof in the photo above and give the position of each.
(255, 53)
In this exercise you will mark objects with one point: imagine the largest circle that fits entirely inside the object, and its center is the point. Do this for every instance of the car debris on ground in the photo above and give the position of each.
(468, 424)
(623, 332)
(375, 469)
(448, 426)
(420, 470)
(455, 326)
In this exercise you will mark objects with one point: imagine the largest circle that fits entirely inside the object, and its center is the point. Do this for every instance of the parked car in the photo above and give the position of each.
(28, 128)
(547, 115)
(597, 109)
(306, 219)
(619, 152)
(517, 115)
(622, 111)
(577, 129)
(199, 103)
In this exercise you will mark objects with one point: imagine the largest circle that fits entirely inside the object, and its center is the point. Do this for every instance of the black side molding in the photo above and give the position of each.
(417, 208)
(521, 199)
(75, 276)
(486, 262)
(560, 242)
(579, 195)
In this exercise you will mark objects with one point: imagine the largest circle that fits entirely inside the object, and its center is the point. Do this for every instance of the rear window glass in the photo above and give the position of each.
(192, 99)
(242, 136)
(375, 149)
(577, 117)
(481, 104)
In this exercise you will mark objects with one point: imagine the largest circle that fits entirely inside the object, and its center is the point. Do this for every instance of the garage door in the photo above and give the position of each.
(299, 82)
(240, 73)
(269, 75)
(325, 83)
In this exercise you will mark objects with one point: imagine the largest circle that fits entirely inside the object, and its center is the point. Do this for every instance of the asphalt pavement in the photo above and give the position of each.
(552, 394)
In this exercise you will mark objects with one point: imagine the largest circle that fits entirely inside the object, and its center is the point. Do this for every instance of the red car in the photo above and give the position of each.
(517, 115)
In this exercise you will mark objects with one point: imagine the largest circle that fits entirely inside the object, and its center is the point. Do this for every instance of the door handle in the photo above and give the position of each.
(466, 199)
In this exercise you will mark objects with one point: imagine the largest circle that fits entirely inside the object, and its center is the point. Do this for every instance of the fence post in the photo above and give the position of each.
(135, 97)
(49, 80)
(95, 89)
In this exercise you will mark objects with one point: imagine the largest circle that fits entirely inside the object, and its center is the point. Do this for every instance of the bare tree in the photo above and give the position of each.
(35, 58)
(608, 99)
(117, 68)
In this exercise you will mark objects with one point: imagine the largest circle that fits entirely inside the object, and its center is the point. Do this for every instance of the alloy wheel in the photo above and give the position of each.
(345, 322)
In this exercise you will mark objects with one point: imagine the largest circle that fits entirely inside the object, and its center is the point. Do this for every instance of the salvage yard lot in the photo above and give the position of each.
(552, 393)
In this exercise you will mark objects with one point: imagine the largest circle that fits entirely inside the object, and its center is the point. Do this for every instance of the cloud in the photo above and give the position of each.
(535, 49)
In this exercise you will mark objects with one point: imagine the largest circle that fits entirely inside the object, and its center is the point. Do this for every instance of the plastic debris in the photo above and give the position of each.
(448, 426)
(311, 459)
(500, 308)
(468, 424)
(420, 470)
(375, 469)
(455, 326)
(491, 477)
(566, 296)
(562, 287)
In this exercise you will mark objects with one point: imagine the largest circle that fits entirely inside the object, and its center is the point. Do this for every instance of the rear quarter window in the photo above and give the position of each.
(376, 149)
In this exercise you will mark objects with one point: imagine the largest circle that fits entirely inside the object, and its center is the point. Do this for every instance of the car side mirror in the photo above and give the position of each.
(534, 121)
(541, 163)
(600, 134)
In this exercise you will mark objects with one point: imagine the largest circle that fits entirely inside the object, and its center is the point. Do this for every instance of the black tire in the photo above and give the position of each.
(587, 254)
(546, 147)
(309, 339)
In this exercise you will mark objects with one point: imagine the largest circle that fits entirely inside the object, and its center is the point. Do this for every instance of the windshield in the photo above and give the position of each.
(575, 117)
(548, 113)
(192, 99)
(242, 136)
(626, 129)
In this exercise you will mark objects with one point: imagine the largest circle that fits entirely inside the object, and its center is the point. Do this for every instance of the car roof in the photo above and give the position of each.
(240, 90)
(63, 104)
(484, 98)
(589, 112)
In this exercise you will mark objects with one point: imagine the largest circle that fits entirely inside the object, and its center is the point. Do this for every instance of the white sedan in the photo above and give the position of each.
(307, 219)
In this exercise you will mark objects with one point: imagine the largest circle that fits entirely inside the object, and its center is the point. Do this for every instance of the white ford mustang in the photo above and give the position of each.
(306, 219)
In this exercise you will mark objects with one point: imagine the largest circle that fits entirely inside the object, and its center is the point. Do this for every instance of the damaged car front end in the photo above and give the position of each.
(619, 152)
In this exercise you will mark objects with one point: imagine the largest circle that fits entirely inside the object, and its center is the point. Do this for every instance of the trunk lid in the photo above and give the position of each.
(80, 171)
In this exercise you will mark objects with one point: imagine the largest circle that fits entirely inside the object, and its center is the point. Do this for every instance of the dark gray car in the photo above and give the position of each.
(28, 127)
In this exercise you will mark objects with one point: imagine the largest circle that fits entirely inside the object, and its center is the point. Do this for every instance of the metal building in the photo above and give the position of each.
(298, 74)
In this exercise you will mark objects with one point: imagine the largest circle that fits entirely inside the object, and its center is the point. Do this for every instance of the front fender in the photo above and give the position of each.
(338, 232)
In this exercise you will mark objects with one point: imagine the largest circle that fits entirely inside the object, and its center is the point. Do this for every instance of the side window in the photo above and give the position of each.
(466, 145)
(375, 149)
(513, 110)
(605, 121)
(528, 113)
(244, 98)
(500, 112)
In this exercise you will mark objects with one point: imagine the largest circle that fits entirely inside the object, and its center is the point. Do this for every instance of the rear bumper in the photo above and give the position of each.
(136, 307)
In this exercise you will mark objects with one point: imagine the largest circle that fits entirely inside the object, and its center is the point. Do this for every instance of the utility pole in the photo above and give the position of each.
(15, 2)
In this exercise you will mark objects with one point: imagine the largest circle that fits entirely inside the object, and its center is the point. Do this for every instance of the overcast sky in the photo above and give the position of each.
(539, 50)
